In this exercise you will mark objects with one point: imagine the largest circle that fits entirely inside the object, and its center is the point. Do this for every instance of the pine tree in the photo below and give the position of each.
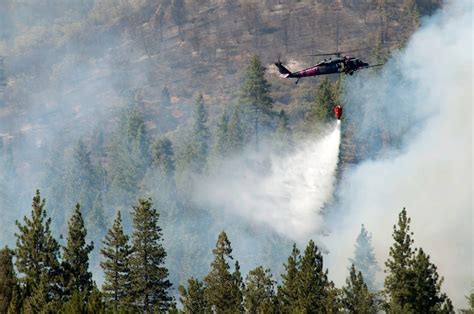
(116, 253)
(255, 97)
(95, 304)
(333, 299)
(37, 254)
(412, 284)
(321, 109)
(235, 134)
(82, 182)
(282, 140)
(193, 299)
(259, 294)
(128, 156)
(364, 258)
(312, 281)
(8, 281)
(163, 157)
(288, 291)
(78, 278)
(200, 138)
(356, 297)
(470, 299)
(237, 294)
(222, 142)
(427, 286)
(400, 276)
(222, 287)
(52, 183)
(148, 274)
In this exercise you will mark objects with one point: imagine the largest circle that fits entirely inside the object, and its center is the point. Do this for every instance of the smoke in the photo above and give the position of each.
(426, 91)
(287, 192)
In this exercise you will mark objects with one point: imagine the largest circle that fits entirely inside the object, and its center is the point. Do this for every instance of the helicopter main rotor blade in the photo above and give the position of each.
(375, 65)
(337, 53)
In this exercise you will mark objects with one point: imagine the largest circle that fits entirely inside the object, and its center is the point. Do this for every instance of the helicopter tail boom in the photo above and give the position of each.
(284, 72)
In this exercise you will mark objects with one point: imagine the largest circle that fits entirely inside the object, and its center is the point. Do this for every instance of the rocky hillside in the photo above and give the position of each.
(79, 61)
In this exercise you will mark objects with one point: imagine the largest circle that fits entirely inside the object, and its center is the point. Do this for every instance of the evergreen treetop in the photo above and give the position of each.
(364, 258)
(116, 252)
(37, 257)
(78, 278)
(149, 276)
(356, 297)
(223, 292)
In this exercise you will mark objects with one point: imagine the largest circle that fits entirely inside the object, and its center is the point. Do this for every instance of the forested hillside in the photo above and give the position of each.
(114, 108)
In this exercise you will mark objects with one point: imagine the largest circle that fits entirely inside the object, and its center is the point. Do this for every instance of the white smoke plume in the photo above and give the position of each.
(432, 174)
(287, 192)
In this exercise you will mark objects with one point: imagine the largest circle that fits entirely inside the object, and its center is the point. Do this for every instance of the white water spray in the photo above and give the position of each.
(286, 192)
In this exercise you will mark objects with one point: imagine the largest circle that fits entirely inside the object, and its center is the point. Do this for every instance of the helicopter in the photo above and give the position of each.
(340, 64)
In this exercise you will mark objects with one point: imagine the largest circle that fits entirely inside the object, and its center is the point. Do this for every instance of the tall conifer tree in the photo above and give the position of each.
(235, 134)
(116, 253)
(356, 297)
(223, 291)
(222, 136)
(149, 276)
(400, 276)
(255, 97)
(128, 156)
(200, 137)
(259, 294)
(288, 291)
(412, 284)
(193, 298)
(312, 281)
(364, 258)
(8, 279)
(77, 276)
(321, 109)
(37, 254)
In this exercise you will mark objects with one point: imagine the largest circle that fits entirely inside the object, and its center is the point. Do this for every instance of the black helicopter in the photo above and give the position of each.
(340, 64)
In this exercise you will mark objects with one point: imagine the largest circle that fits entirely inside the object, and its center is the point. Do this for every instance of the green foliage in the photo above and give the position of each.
(255, 97)
(364, 258)
(128, 156)
(81, 184)
(235, 133)
(400, 276)
(193, 299)
(200, 138)
(288, 291)
(37, 254)
(312, 281)
(8, 281)
(259, 294)
(222, 142)
(78, 278)
(162, 155)
(320, 110)
(470, 300)
(223, 290)
(356, 297)
(412, 283)
(116, 253)
(95, 304)
(282, 138)
(427, 296)
(149, 283)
